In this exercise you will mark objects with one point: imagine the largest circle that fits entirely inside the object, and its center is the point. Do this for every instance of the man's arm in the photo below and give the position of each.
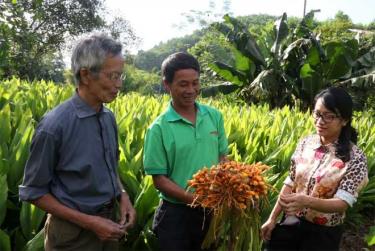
(104, 228)
(128, 214)
(171, 189)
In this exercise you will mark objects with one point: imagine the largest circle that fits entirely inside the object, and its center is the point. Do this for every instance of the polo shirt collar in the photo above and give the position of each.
(83, 110)
(171, 114)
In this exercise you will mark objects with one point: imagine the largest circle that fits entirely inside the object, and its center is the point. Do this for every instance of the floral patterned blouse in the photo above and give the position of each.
(316, 171)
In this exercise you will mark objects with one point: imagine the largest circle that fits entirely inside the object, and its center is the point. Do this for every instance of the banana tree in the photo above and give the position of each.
(296, 68)
(362, 80)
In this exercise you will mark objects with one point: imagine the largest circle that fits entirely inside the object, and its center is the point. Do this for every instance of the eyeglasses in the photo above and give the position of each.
(326, 117)
(115, 76)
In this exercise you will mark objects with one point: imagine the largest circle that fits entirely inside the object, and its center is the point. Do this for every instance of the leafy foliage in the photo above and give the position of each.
(255, 133)
(151, 60)
(293, 68)
(33, 33)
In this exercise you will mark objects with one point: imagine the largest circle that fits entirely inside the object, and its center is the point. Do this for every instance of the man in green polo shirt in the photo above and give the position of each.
(185, 138)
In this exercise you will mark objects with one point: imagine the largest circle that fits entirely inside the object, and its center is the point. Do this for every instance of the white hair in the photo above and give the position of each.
(90, 53)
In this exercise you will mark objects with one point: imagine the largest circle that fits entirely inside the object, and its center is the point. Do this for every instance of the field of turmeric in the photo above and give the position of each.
(255, 134)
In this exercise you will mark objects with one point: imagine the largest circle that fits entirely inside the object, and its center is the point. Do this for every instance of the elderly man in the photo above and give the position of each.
(71, 172)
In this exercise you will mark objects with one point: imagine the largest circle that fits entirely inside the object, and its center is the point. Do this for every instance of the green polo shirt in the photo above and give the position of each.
(176, 148)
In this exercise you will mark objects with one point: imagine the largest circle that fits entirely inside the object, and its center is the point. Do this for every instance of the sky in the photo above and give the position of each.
(156, 21)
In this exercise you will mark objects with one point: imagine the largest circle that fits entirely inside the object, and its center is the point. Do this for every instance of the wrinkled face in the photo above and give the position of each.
(104, 85)
(328, 125)
(184, 88)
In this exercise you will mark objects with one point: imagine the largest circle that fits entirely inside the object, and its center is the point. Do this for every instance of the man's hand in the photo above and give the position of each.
(127, 212)
(105, 229)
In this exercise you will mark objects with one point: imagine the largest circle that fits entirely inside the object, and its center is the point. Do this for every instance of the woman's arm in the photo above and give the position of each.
(270, 224)
(292, 203)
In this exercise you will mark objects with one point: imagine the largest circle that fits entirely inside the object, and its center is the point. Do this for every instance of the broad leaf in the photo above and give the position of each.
(242, 62)
(242, 39)
(264, 86)
(340, 58)
(362, 82)
(5, 126)
(3, 197)
(31, 218)
(311, 83)
(280, 30)
(146, 201)
(365, 64)
(36, 243)
(370, 237)
(306, 25)
(4, 241)
(224, 88)
(229, 73)
(313, 57)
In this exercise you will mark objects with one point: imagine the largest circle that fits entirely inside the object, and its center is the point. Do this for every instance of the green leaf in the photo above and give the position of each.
(5, 126)
(213, 90)
(306, 71)
(242, 62)
(229, 73)
(311, 82)
(280, 30)
(340, 58)
(4, 153)
(363, 82)
(3, 197)
(243, 40)
(366, 63)
(304, 28)
(36, 243)
(370, 237)
(19, 150)
(31, 218)
(313, 57)
(4, 241)
(264, 85)
(146, 201)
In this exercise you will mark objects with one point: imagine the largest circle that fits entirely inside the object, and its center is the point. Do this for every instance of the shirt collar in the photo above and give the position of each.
(82, 109)
(316, 144)
(171, 114)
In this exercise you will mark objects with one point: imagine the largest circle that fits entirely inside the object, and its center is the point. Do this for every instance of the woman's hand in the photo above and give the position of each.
(267, 228)
(293, 203)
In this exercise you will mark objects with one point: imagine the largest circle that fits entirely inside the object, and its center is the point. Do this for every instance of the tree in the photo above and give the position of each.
(294, 69)
(336, 29)
(35, 31)
(151, 60)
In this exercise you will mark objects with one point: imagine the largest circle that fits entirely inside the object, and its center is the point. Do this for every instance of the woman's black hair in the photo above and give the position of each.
(338, 101)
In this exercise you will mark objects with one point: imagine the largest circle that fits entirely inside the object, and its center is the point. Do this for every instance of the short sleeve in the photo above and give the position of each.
(355, 178)
(154, 155)
(223, 141)
(39, 166)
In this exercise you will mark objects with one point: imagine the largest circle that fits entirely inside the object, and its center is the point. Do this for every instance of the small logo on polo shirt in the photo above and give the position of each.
(214, 133)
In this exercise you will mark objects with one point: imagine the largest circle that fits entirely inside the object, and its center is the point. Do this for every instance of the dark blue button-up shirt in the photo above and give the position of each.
(73, 156)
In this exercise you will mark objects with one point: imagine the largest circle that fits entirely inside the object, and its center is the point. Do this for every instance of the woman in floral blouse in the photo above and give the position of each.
(327, 172)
